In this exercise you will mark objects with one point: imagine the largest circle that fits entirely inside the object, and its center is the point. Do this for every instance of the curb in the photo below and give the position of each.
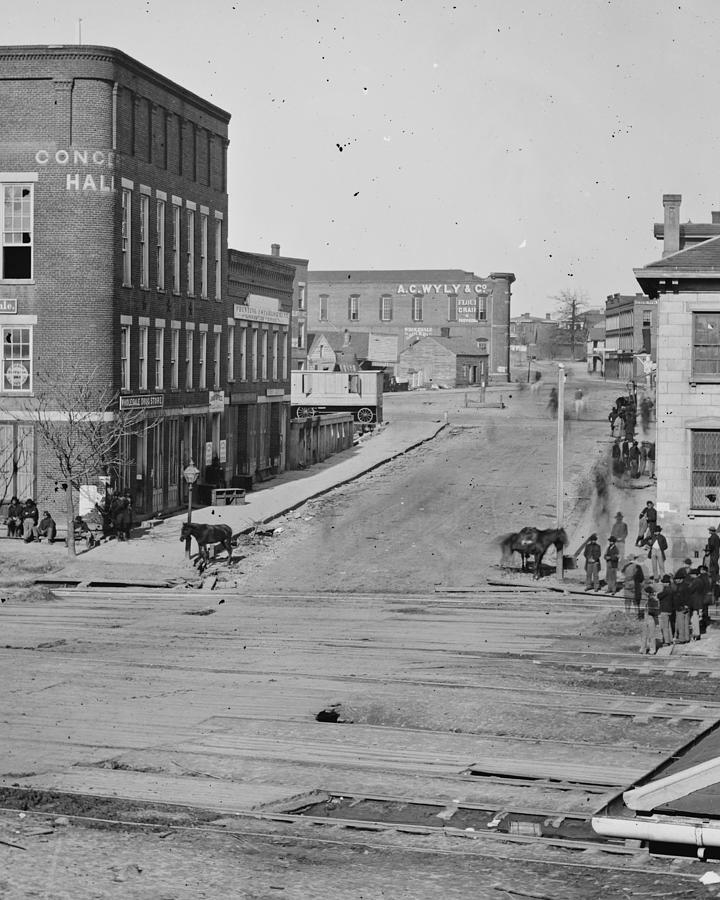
(344, 481)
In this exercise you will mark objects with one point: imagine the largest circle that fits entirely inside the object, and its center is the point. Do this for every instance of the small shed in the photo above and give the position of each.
(445, 362)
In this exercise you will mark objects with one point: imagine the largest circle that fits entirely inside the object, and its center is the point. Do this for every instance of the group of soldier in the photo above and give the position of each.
(24, 521)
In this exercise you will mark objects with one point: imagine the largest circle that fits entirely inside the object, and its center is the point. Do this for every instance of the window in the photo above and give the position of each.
(190, 221)
(231, 353)
(706, 345)
(386, 308)
(705, 470)
(218, 259)
(17, 359)
(175, 359)
(125, 358)
(301, 296)
(354, 307)
(243, 354)
(203, 256)
(216, 363)
(143, 358)
(189, 343)
(126, 238)
(176, 249)
(301, 334)
(274, 361)
(452, 308)
(284, 353)
(159, 357)
(202, 383)
(263, 354)
(254, 348)
(417, 308)
(647, 318)
(144, 245)
(160, 244)
(323, 313)
(482, 307)
(17, 231)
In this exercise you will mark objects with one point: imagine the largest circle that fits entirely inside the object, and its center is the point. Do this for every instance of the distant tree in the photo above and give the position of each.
(79, 421)
(571, 306)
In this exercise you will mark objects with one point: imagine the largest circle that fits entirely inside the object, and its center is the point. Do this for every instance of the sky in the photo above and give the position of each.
(492, 136)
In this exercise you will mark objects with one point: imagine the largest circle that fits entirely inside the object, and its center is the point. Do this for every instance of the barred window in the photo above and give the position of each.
(705, 470)
(706, 344)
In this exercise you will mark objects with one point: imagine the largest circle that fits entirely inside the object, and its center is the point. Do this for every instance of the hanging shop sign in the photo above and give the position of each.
(216, 401)
(253, 314)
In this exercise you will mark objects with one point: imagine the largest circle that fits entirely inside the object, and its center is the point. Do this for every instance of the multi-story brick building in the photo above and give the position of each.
(114, 238)
(260, 288)
(416, 303)
(298, 320)
(686, 285)
(630, 336)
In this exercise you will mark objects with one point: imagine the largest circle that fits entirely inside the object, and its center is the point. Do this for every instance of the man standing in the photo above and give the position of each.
(620, 532)
(633, 577)
(592, 564)
(611, 567)
(713, 552)
(658, 546)
(650, 516)
(578, 402)
(634, 458)
(648, 627)
(666, 599)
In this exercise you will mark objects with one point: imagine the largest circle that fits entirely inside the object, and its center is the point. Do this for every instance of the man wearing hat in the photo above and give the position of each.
(619, 531)
(612, 557)
(592, 564)
(713, 553)
(658, 546)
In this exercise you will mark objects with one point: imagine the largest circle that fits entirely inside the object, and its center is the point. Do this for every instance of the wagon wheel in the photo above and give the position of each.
(303, 412)
(365, 415)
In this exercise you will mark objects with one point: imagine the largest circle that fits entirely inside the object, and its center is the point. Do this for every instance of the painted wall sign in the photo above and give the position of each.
(223, 451)
(7, 306)
(456, 289)
(418, 331)
(101, 182)
(142, 401)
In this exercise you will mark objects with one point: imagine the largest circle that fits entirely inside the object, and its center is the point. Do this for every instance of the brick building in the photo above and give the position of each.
(114, 247)
(298, 320)
(686, 286)
(416, 303)
(260, 288)
(631, 324)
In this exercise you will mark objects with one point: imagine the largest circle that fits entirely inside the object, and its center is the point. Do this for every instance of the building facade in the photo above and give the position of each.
(260, 289)
(631, 327)
(417, 303)
(298, 320)
(114, 240)
(444, 362)
(686, 285)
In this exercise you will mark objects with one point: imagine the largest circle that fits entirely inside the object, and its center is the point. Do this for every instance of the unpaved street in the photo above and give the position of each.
(467, 732)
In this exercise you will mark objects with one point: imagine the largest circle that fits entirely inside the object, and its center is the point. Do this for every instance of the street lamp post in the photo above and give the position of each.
(559, 566)
(191, 475)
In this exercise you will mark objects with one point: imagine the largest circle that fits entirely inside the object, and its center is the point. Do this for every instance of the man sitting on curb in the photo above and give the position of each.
(47, 528)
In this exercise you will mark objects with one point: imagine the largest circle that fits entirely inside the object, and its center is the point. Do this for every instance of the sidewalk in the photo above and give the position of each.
(157, 556)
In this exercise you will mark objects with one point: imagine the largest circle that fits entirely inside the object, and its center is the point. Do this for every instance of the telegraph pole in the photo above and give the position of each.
(560, 448)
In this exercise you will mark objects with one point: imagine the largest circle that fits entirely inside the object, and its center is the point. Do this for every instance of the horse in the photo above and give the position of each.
(532, 542)
(207, 534)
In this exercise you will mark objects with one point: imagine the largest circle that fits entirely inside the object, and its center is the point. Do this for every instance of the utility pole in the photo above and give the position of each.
(560, 448)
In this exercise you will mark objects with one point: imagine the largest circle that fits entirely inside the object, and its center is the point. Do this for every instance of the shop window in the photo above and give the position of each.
(17, 359)
(17, 231)
(705, 470)
(706, 345)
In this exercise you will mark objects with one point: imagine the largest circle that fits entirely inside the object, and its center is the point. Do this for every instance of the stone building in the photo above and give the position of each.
(686, 285)
(114, 244)
(417, 303)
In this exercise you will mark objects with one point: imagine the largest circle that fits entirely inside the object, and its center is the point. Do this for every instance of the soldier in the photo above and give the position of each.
(649, 617)
(592, 564)
(612, 557)
(620, 532)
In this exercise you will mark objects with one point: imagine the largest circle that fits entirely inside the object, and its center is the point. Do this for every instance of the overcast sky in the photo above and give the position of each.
(534, 137)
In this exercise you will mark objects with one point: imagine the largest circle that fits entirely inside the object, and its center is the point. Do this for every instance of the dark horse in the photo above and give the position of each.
(532, 542)
(208, 534)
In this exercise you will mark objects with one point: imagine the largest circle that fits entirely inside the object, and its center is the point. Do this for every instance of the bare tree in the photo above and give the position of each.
(79, 421)
(570, 306)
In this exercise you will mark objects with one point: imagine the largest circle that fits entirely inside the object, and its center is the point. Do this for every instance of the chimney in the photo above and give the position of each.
(716, 217)
(671, 233)
(547, 315)
(274, 249)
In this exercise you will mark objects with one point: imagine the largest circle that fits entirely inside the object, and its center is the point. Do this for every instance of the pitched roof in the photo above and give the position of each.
(703, 257)
(460, 346)
(357, 341)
